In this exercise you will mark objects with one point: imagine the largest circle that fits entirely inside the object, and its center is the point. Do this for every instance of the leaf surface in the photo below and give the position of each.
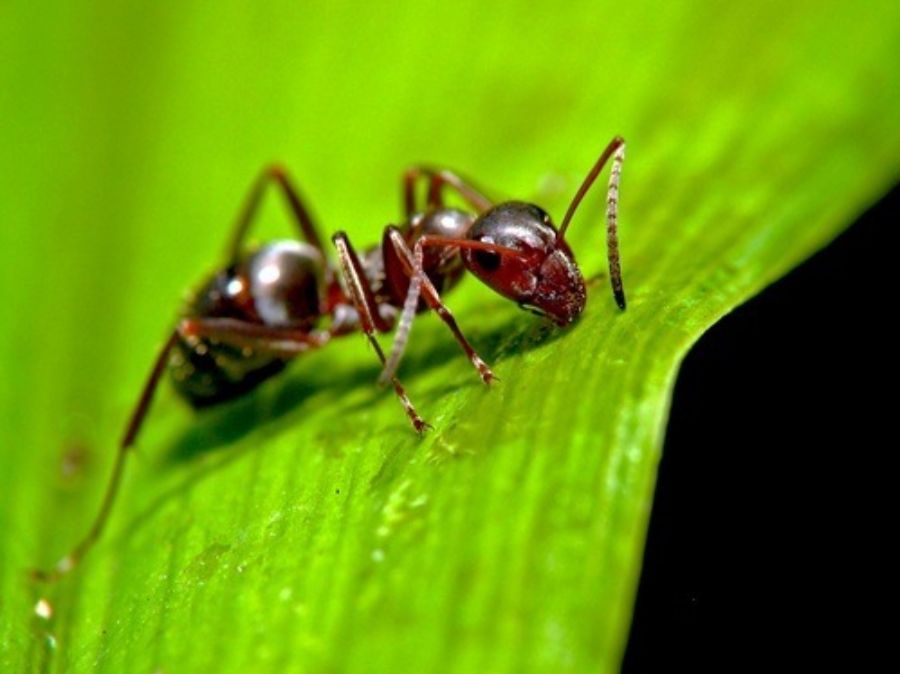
(305, 527)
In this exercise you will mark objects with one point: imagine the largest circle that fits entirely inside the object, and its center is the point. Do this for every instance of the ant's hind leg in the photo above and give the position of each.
(279, 342)
(70, 561)
(370, 320)
(277, 174)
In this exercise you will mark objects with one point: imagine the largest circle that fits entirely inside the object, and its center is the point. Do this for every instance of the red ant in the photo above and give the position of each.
(264, 307)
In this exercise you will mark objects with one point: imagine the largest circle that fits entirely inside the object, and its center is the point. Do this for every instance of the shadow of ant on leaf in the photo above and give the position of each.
(288, 397)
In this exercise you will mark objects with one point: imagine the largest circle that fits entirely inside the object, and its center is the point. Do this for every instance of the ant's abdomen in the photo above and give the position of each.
(277, 285)
(206, 373)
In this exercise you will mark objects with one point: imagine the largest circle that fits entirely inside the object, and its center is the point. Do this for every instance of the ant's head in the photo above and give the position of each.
(541, 275)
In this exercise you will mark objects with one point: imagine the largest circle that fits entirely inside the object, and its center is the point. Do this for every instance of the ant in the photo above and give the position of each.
(265, 306)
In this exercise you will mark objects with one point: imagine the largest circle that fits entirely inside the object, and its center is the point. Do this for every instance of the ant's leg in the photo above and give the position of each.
(275, 173)
(279, 342)
(412, 267)
(364, 301)
(67, 563)
(616, 150)
(271, 340)
(438, 179)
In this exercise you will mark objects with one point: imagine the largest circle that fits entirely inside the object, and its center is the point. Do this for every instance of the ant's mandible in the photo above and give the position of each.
(265, 306)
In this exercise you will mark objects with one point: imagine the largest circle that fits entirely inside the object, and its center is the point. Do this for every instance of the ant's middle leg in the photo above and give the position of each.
(411, 265)
(437, 180)
(369, 318)
(277, 174)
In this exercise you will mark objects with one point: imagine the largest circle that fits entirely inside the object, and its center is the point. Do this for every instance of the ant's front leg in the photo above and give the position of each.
(370, 320)
(277, 174)
(412, 266)
(437, 180)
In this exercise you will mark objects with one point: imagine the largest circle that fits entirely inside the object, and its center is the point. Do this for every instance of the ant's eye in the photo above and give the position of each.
(487, 260)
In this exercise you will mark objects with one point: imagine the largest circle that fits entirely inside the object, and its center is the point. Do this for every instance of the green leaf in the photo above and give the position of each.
(306, 527)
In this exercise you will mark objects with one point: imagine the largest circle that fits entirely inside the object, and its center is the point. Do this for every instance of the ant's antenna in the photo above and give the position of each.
(616, 150)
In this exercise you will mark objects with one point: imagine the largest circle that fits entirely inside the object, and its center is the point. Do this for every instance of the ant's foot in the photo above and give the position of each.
(487, 375)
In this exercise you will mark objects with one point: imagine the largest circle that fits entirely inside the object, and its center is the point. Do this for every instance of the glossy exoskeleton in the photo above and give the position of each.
(270, 304)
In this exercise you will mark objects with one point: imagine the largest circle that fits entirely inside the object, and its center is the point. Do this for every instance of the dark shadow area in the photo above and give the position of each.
(768, 517)
(285, 395)
(228, 422)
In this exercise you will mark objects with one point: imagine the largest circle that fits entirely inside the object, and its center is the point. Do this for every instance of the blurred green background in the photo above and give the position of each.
(250, 537)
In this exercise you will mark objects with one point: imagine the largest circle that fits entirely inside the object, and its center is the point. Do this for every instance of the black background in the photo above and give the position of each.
(770, 505)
